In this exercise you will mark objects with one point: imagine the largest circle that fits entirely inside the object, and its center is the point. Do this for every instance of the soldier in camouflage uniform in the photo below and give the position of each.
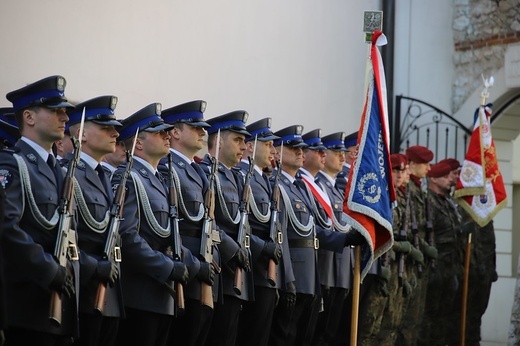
(398, 287)
(482, 271)
(445, 280)
(419, 158)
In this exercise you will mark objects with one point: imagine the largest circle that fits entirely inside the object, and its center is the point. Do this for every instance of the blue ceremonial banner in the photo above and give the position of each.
(370, 192)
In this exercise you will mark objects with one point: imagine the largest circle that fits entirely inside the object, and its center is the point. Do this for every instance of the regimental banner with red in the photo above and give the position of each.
(480, 189)
(370, 193)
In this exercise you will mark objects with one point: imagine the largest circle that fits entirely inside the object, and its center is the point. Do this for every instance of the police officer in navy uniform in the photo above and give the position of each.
(93, 195)
(255, 321)
(290, 322)
(231, 130)
(147, 266)
(186, 140)
(31, 219)
(350, 143)
(329, 320)
(313, 161)
(113, 160)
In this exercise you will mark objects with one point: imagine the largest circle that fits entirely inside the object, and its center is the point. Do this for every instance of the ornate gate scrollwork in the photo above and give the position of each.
(419, 123)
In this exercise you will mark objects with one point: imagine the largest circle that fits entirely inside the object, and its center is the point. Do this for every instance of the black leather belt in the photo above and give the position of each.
(303, 243)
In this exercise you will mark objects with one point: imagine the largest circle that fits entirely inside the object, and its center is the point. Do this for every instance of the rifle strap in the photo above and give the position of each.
(25, 182)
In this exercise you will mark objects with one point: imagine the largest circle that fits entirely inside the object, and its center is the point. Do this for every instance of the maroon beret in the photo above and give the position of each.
(438, 170)
(398, 161)
(453, 163)
(419, 154)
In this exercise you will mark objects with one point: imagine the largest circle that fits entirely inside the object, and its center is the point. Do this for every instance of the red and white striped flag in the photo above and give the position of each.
(370, 193)
(480, 189)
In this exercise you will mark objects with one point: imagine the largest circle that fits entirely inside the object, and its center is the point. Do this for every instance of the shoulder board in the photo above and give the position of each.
(10, 150)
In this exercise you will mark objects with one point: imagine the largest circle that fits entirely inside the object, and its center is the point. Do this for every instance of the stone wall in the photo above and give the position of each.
(482, 30)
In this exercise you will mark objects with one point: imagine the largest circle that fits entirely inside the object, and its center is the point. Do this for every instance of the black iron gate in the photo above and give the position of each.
(419, 123)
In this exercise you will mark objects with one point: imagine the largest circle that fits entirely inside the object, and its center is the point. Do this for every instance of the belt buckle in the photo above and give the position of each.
(316, 243)
(117, 254)
(279, 237)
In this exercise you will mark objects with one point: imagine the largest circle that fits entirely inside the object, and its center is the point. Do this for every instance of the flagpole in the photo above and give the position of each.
(355, 296)
(467, 259)
(372, 20)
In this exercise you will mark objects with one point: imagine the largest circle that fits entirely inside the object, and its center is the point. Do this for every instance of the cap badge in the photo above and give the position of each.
(61, 84)
(113, 102)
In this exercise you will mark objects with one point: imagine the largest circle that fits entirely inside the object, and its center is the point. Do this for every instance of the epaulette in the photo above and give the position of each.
(10, 150)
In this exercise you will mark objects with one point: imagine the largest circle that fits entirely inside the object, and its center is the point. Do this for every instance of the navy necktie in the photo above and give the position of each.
(104, 178)
(56, 169)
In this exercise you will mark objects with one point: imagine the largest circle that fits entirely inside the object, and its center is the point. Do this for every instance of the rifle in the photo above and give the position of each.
(402, 237)
(275, 227)
(430, 237)
(174, 218)
(112, 251)
(65, 246)
(244, 231)
(209, 235)
(415, 232)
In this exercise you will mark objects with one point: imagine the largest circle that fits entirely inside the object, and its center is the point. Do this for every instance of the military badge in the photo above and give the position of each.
(31, 157)
(5, 177)
(143, 172)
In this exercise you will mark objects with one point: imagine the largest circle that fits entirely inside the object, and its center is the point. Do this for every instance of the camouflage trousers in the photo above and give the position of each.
(414, 310)
(443, 284)
(482, 273)
(371, 317)
(393, 312)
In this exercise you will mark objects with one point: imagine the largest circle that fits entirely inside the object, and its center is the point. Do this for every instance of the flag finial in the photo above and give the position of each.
(488, 83)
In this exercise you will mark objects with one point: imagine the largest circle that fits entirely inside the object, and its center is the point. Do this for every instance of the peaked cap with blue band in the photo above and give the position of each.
(9, 131)
(99, 110)
(48, 92)
(335, 141)
(234, 121)
(190, 113)
(313, 140)
(261, 130)
(291, 136)
(147, 119)
(7, 115)
(351, 140)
